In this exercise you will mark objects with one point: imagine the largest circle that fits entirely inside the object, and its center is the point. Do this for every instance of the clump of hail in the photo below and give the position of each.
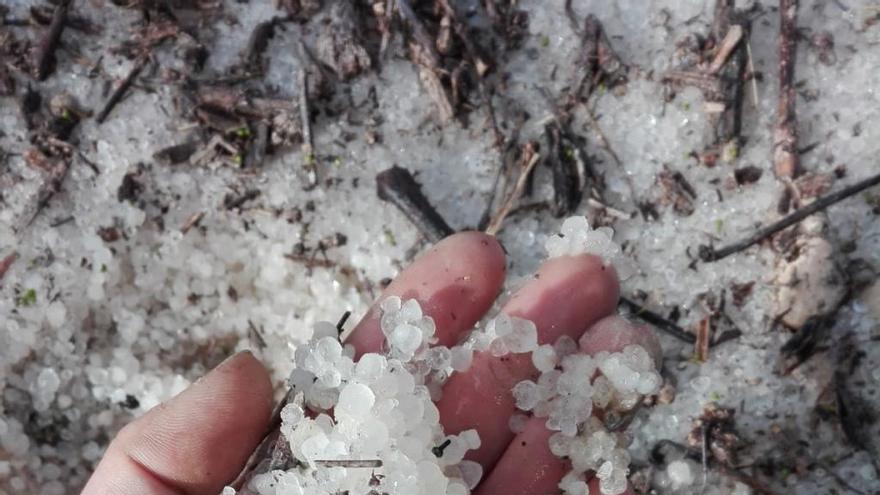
(371, 426)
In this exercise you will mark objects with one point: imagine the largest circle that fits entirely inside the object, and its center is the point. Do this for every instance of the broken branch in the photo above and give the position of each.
(123, 86)
(398, 187)
(45, 56)
(709, 253)
(786, 163)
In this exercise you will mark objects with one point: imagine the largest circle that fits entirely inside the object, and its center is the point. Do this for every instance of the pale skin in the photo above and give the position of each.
(180, 448)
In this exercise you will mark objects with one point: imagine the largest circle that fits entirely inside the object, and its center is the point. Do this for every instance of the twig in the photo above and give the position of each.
(786, 162)
(45, 55)
(341, 323)
(704, 458)
(529, 163)
(731, 73)
(231, 202)
(192, 222)
(122, 87)
(597, 62)
(728, 44)
(370, 463)
(398, 187)
(610, 210)
(709, 253)
(751, 71)
(658, 321)
(310, 161)
(476, 62)
(424, 53)
(705, 329)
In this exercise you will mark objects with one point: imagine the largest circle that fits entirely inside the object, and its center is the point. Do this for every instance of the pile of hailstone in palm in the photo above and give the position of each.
(381, 407)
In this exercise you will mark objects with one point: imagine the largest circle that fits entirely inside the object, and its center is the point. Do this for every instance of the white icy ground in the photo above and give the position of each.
(146, 315)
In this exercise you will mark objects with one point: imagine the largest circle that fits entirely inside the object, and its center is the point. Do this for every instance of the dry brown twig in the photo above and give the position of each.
(722, 78)
(528, 161)
(786, 163)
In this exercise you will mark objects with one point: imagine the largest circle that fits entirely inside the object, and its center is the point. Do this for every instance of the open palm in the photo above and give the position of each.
(198, 441)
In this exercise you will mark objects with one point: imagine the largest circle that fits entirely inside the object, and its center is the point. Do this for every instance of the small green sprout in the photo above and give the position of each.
(29, 298)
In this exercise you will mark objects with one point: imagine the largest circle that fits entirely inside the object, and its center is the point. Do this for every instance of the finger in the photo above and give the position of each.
(614, 333)
(566, 297)
(196, 442)
(455, 283)
(528, 467)
(544, 471)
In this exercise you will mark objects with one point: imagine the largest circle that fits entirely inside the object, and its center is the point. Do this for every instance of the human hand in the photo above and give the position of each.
(198, 441)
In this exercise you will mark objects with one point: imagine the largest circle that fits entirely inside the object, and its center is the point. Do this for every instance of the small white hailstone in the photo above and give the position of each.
(680, 474)
(471, 438)
(572, 484)
(547, 384)
(523, 336)
(355, 400)
(404, 340)
(439, 357)
(471, 473)
(701, 384)
(461, 357)
(518, 422)
(47, 384)
(505, 334)
(370, 368)
(56, 313)
(615, 483)
(456, 489)
(381, 408)
(604, 470)
(576, 237)
(603, 391)
(544, 358)
(527, 394)
(632, 371)
(228, 490)
(560, 445)
(565, 346)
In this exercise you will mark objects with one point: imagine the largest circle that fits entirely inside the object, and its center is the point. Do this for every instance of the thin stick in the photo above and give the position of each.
(495, 225)
(728, 44)
(46, 50)
(610, 210)
(709, 253)
(786, 162)
(310, 161)
(398, 187)
(123, 86)
(662, 324)
(751, 68)
(192, 221)
(375, 463)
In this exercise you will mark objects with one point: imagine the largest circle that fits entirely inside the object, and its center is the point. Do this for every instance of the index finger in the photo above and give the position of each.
(455, 283)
